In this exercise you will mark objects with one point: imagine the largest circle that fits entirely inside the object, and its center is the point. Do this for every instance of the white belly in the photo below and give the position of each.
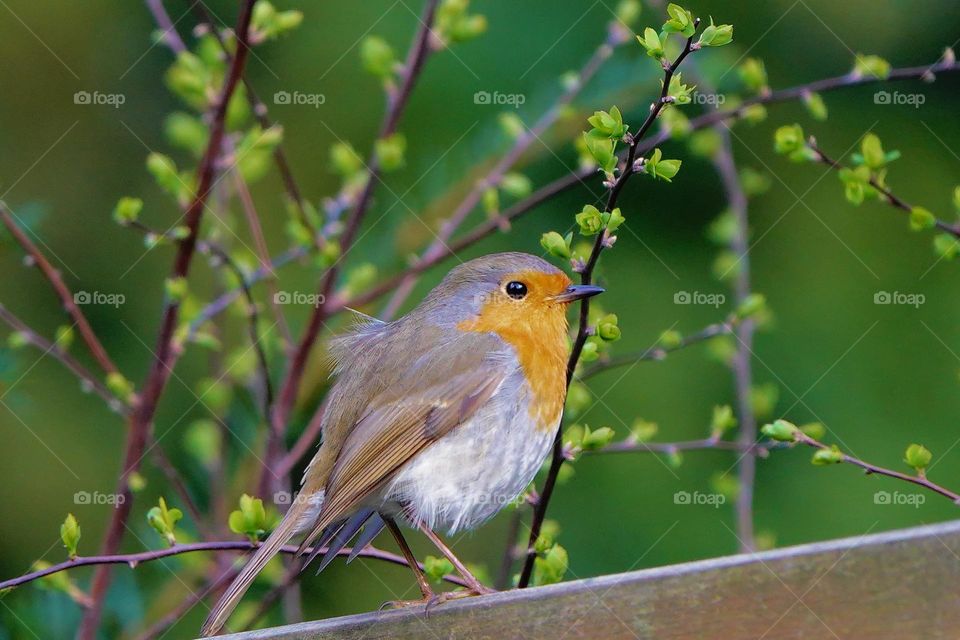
(474, 471)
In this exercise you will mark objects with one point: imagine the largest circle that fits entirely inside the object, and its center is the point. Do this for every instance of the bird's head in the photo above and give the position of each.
(506, 293)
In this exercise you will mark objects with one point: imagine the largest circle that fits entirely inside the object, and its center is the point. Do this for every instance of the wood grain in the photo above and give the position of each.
(901, 584)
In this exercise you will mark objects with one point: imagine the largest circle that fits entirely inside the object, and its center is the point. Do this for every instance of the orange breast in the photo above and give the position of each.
(536, 328)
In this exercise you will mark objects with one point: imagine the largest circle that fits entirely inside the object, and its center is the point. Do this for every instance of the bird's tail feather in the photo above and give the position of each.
(228, 601)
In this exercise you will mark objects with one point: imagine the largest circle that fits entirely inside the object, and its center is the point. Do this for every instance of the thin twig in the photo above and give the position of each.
(159, 628)
(583, 328)
(66, 296)
(134, 559)
(142, 417)
(87, 379)
(888, 195)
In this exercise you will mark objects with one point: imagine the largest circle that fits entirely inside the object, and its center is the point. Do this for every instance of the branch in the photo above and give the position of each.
(658, 352)
(66, 296)
(134, 559)
(583, 328)
(891, 199)
(87, 379)
(142, 418)
(713, 442)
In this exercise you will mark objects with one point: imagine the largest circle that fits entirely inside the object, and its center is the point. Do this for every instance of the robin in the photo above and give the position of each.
(438, 419)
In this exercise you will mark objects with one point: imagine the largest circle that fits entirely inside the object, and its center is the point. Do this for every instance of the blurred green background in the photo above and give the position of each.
(879, 377)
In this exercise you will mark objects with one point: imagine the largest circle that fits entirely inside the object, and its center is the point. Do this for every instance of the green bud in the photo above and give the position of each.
(815, 106)
(754, 74)
(754, 114)
(516, 185)
(921, 219)
(704, 143)
(164, 172)
(250, 519)
(788, 139)
(18, 340)
(435, 568)
(752, 305)
(670, 339)
(597, 439)
(136, 482)
(871, 66)
(176, 288)
(608, 125)
(556, 245)
(590, 352)
(70, 535)
(681, 21)
(601, 148)
(186, 132)
(180, 232)
(716, 36)
(628, 11)
(662, 169)
(725, 484)
(681, 93)
(329, 253)
(754, 182)
(764, 399)
(390, 151)
(551, 567)
(549, 532)
(722, 420)
(643, 430)
(781, 431)
(590, 220)
(203, 440)
(946, 246)
(607, 328)
(511, 124)
(815, 430)
(918, 457)
(650, 41)
(344, 159)
(824, 457)
(377, 56)
(872, 151)
(675, 123)
(120, 386)
(491, 201)
(164, 521)
(361, 277)
(579, 399)
(63, 338)
(127, 210)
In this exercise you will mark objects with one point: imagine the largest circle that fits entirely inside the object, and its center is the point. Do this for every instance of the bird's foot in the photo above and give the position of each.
(436, 599)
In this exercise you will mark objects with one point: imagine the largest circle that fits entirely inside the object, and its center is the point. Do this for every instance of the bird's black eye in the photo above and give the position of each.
(516, 290)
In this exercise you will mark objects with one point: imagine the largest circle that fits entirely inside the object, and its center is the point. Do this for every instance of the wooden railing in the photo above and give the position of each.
(899, 585)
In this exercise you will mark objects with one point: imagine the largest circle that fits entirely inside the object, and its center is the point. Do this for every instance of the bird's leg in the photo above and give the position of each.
(428, 595)
(473, 583)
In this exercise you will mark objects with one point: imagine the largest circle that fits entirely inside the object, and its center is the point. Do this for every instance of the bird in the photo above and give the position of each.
(438, 419)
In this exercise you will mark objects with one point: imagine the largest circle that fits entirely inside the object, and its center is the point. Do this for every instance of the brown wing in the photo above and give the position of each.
(409, 417)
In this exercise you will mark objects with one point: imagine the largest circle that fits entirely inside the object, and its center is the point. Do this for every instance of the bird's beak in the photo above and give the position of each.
(577, 292)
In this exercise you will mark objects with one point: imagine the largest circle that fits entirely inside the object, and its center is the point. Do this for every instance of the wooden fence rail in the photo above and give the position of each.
(903, 584)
